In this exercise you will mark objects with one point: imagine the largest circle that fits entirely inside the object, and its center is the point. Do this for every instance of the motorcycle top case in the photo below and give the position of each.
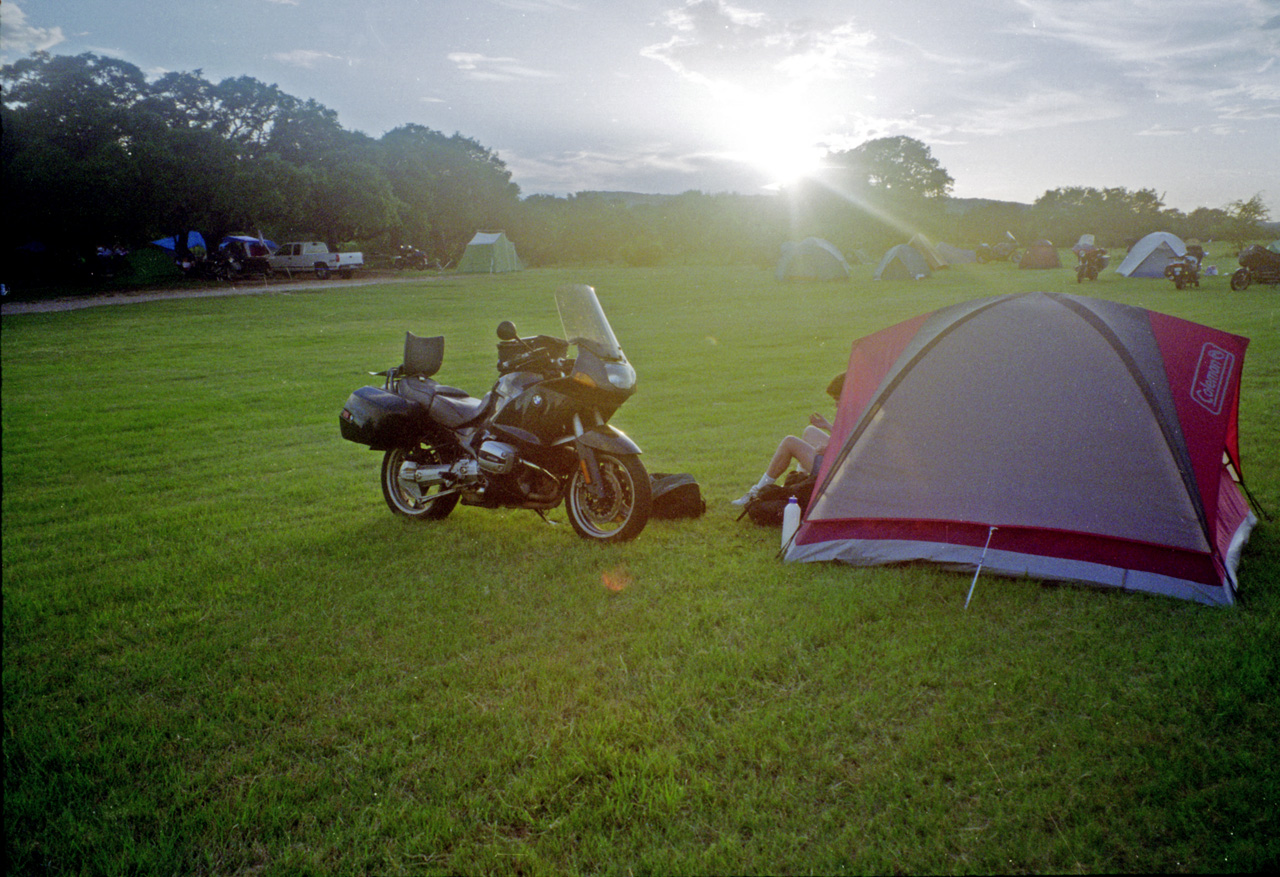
(381, 420)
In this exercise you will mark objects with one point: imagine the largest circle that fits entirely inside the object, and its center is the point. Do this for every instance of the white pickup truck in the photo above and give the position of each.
(315, 256)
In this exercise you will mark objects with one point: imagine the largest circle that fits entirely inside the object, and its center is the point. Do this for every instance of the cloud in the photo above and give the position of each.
(539, 5)
(1180, 51)
(305, 58)
(19, 38)
(486, 69)
(718, 44)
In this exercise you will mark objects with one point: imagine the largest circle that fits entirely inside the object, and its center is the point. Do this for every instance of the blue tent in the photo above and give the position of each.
(194, 239)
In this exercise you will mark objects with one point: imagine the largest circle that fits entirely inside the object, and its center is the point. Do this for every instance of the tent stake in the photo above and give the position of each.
(978, 571)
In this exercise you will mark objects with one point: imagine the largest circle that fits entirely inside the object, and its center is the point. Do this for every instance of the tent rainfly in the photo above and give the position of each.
(1150, 255)
(489, 252)
(812, 259)
(1044, 435)
(902, 263)
(932, 257)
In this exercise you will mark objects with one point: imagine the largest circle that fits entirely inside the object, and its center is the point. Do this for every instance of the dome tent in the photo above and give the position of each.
(812, 259)
(902, 263)
(1150, 255)
(1042, 435)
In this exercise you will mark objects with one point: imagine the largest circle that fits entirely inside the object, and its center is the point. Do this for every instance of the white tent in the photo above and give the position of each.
(1150, 255)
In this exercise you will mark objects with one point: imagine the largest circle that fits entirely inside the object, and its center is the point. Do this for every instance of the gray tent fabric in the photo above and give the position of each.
(1084, 439)
(956, 255)
(812, 259)
(1151, 255)
(902, 263)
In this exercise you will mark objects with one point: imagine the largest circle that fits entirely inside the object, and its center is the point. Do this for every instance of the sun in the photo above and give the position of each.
(777, 133)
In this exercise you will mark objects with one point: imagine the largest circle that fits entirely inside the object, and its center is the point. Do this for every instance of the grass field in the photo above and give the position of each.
(223, 654)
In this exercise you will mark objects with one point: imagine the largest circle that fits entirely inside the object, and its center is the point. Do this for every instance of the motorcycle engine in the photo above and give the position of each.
(497, 458)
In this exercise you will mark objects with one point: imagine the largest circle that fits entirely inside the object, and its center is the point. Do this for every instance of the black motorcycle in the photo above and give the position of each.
(539, 437)
(1184, 271)
(1004, 251)
(411, 258)
(1257, 265)
(1090, 262)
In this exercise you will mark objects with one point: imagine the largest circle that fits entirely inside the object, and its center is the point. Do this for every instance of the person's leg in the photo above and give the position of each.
(790, 448)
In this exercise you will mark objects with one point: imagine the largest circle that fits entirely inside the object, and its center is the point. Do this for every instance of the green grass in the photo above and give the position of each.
(223, 654)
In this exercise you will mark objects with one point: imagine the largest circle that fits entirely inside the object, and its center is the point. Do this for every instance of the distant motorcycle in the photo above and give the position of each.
(411, 258)
(1257, 265)
(1184, 271)
(1005, 251)
(1090, 262)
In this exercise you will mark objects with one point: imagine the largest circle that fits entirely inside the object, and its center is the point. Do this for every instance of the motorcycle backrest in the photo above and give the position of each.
(423, 356)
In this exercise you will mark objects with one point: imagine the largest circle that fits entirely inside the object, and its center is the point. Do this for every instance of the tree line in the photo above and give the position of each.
(94, 153)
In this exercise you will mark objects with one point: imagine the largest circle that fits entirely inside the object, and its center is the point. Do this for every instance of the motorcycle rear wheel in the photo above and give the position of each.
(429, 505)
(622, 511)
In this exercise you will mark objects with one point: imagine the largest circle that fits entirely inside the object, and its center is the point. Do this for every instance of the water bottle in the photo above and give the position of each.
(790, 520)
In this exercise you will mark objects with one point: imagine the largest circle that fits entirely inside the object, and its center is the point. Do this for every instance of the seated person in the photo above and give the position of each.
(805, 450)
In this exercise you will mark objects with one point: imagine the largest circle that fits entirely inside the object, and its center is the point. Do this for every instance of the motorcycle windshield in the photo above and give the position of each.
(584, 321)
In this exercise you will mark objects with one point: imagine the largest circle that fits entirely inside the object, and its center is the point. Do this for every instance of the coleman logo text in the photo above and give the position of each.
(1213, 376)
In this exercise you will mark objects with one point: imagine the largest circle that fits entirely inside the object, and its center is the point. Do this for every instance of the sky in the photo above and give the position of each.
(1013, 97)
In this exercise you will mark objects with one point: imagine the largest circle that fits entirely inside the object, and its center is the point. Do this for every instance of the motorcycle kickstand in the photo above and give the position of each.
(543, 514)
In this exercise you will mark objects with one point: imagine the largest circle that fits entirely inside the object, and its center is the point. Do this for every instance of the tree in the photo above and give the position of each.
(1244, 220)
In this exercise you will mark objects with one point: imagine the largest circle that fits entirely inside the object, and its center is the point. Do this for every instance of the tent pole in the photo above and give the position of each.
(981, 561)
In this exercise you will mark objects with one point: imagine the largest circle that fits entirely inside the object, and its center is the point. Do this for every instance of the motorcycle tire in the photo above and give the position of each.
(425, 507)
(1240, 280)
(622, 511)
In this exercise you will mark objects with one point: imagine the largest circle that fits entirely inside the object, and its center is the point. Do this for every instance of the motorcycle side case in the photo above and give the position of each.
(381, 420)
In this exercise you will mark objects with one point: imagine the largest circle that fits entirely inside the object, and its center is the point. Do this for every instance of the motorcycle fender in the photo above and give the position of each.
(602, 438)
(606, 438)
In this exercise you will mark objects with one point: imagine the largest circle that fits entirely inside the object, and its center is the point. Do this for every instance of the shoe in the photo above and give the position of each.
(747, 497)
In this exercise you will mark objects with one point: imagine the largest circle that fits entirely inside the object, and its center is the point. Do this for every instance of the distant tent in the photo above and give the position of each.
(1150, 255)
(932, 257)
(489, 253)
(194, 240)
(902, 263)
(1043, 435)
(956, 255)
(1274, 246)
(812, 259)
(1041, 254)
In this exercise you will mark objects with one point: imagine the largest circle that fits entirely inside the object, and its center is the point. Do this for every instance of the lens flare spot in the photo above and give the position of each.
(616, 580)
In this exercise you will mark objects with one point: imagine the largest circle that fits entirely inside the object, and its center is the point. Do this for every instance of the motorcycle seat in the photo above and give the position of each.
(455, 412)
(424, 390)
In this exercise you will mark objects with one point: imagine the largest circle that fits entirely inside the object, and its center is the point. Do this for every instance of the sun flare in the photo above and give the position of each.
(776, 133)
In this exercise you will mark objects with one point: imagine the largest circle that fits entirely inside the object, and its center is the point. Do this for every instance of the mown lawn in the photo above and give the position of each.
(223, 654)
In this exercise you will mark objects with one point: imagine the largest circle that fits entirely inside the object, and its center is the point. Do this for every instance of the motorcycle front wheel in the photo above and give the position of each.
(1240, 280)
(423, 502)
(621, 511)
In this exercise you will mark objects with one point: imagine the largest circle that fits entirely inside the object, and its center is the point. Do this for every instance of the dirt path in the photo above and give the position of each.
(79, 302)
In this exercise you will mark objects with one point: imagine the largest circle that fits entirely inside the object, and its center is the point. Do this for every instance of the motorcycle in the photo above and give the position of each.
(1257, 265)
(1184, 271)
(1090, 262)
(1005, 251)
(411, 258)
(539, 437)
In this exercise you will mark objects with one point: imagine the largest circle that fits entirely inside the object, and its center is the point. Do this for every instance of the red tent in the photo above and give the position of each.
(1043, 435)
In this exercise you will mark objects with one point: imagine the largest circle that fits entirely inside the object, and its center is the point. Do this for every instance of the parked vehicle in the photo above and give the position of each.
(315, 256)
(1184, 271)
(1004, 251)
(242, 255)
(1090, 263)
(411, 258)
(1257, 265)
(539, 437)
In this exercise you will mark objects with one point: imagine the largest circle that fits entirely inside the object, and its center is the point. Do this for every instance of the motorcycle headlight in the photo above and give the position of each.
(621, 375)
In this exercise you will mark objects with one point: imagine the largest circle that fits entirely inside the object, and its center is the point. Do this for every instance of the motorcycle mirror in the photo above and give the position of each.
(507, 331)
